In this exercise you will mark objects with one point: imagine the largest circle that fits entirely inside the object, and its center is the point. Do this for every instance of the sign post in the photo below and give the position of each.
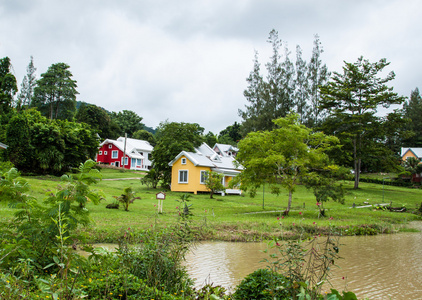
(160, 197)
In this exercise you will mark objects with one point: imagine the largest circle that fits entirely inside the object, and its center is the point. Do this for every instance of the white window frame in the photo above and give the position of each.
(183, 161)
(110, 146)
(187, 176)
(203, 177)
(100, 153)
(113, 152)
(126, 161)
(105, 152)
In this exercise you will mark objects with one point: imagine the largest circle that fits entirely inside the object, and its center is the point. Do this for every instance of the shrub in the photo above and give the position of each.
(263, 284)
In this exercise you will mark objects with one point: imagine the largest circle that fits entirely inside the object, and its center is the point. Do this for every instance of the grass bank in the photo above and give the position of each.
(240, 218)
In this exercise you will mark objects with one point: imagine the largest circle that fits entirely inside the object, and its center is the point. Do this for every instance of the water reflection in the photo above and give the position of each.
(377, 267)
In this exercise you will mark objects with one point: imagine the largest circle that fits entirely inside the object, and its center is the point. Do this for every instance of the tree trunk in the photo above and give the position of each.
(356, 164)
(289, 204)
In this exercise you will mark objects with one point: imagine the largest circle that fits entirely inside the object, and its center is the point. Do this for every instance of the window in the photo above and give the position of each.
(204, 176)
(105, 152)
(114, 154)
(126, 161)
(133, 162)
(139, 162)
(183, 176)
(183, 161)
(100, 153)
(110, 146)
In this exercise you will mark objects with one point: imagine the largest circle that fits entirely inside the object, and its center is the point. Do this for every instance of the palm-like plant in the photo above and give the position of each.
(127, 197)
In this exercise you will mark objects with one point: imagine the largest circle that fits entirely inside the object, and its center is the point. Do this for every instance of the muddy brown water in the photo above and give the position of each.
(374, 267)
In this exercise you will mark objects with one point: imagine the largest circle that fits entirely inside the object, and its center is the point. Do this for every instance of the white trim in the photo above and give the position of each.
(100, 153)
(117, 154)
(105, 152)
(200, 176)
(110, 146)
(187, 176)
(183, 161)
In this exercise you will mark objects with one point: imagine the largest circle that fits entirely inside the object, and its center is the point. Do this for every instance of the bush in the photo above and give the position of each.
(263, 284)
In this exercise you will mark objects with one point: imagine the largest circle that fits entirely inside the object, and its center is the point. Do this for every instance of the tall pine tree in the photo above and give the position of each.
(55, 93)
(27, 87)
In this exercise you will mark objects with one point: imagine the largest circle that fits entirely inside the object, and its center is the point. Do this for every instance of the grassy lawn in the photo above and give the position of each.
(236, 217)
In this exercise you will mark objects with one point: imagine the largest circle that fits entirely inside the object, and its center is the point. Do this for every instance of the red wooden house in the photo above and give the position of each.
(136, 157)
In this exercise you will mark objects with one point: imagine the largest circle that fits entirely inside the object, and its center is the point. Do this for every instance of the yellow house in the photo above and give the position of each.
(189, 169)
(411, 152)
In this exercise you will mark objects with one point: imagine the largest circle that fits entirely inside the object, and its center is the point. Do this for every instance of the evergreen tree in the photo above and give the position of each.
(254, 117)
(302, 88)
(55, 93)
(8, 86)
(351, 100)
(413, 111)
(27, 87)
(318, 75)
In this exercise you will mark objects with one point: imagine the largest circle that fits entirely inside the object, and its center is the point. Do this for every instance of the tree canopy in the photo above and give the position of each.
(99, 120)
(352, 99)
(55, 93)
(283, 156)
(128, 121)
(413, 111)
(8, 86)
(172, 138)
(40, 145)
(289, 86)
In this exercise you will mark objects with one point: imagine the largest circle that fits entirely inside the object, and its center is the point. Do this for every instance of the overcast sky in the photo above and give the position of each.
(188, 60)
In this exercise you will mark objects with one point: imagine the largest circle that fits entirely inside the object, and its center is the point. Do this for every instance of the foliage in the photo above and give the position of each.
(262, 284)
(55, 93)
(151, 179)
(317, 76)
(127, 198)
(8, 86)
(210, 139)
(99, 120)
(39, 145)
(282, 156)
(128, 121)
(288, 87)
(213, 182)
(27, 87)
(39, 235)
(413, 111)
(352, 99)
(233, 132)
(324, 186)
(145, 136)
(172, 138)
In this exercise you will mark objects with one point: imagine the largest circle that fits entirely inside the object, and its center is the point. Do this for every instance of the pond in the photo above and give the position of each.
(377, 267)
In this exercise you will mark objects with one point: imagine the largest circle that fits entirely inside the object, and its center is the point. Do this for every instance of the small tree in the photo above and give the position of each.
(127, 197)
(213, 182)
(283, 156)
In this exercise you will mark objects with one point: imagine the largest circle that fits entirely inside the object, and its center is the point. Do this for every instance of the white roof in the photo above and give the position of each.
(226, 148)
(137, 144)
(133, 146)
(416, 151)
(206, 157)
